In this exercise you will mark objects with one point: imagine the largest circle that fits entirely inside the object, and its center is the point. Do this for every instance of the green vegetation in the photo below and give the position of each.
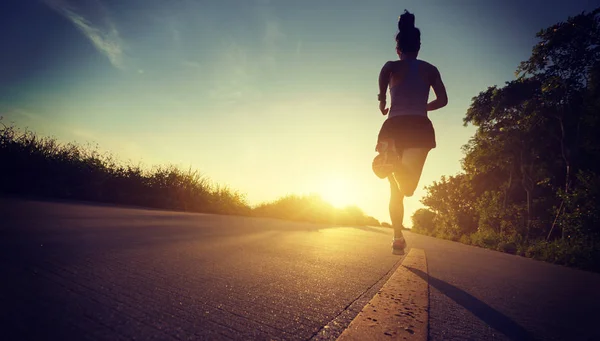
(530, 183)
(312, 208)
(44, 168)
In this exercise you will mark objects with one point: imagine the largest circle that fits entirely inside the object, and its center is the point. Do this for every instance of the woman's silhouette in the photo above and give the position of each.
(407, 135)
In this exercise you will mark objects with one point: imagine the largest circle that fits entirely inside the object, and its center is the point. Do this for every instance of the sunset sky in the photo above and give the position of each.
(270, 97)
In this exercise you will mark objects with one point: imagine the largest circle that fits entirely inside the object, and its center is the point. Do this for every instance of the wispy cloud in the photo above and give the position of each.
(232, 74)
(90, 17)
(240, 69)
(172, 23)
(273, 34)
(17, 113)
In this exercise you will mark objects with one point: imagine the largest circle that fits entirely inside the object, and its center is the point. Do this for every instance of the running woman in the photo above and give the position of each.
(407, 135)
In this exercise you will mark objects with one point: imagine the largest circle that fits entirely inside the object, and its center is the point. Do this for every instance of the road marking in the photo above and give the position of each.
(399, 311)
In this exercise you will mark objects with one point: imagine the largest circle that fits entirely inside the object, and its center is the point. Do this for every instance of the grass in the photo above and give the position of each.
(42, 167)
(312, 208)
(570, 252)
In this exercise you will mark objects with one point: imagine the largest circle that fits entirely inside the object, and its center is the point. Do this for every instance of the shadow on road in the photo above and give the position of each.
(487, 314)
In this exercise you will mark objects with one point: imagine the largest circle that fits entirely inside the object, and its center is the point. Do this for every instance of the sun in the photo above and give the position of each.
(338, 192)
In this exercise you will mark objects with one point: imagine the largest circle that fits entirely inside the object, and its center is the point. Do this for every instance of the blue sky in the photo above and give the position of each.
(269, 97)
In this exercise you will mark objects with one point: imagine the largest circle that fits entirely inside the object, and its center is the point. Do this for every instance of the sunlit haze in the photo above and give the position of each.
(268, 97)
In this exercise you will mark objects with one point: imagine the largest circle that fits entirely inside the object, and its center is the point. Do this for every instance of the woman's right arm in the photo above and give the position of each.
(441, 97)
(384, 80)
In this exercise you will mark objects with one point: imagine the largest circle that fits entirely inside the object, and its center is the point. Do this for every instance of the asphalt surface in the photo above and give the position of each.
(87, 272)
(78, 272)
(478, 294)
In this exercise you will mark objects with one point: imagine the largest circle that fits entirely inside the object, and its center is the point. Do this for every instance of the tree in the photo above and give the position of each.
(423, 221)
(562, 62)
(509, 143)
(531, 168)
(452, 200)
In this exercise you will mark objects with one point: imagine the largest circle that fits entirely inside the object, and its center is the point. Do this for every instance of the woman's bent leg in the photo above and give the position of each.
(410, 169)
(403, 182)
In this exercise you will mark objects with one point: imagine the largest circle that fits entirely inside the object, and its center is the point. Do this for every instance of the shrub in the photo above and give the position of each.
(508, 247)
(574, 252)
(486, 238)
(312, 208)
(423, 221)
(465, 239)
(44, 167)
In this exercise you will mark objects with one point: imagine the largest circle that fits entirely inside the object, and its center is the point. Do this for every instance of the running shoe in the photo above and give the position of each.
(398, 246)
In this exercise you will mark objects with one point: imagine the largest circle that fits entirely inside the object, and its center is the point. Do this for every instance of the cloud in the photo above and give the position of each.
(173, 26)
(90, 17)
(16, 112)
(233, 74)
(240, 69)
(273, 34)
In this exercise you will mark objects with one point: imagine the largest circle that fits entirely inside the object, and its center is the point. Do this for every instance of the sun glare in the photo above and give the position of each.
(338, 192)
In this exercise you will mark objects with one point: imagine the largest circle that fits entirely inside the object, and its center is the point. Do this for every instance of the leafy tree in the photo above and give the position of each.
(423, 221)
(562, 62)
(530, 175)
(452, 200)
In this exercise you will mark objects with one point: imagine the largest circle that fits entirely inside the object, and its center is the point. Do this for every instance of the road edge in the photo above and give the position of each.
(400, 309)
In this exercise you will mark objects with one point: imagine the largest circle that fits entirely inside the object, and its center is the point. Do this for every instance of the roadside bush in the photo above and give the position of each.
(423, 221)
(576, 253)
(486, 238)
(465, 239)
(508, 247)
(43, 167)
(312, 208)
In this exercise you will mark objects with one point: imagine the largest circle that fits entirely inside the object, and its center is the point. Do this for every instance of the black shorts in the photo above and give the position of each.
(408, 132)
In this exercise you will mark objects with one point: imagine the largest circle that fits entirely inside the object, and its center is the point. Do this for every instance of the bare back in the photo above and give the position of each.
(395, 73)
(399, 68)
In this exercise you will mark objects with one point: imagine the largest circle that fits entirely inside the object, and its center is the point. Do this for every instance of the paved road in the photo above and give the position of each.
(82, 272)
(477, 294)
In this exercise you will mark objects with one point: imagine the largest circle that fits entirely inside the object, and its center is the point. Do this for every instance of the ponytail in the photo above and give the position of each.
(408, 38)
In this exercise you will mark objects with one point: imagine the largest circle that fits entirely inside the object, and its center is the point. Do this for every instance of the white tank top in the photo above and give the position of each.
(409, 97)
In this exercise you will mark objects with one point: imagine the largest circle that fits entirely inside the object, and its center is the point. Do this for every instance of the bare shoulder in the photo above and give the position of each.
(390, 64)
(432, 72)
(429, 67)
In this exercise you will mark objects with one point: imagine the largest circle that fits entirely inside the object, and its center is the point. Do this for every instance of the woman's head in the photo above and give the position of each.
(408, 39)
